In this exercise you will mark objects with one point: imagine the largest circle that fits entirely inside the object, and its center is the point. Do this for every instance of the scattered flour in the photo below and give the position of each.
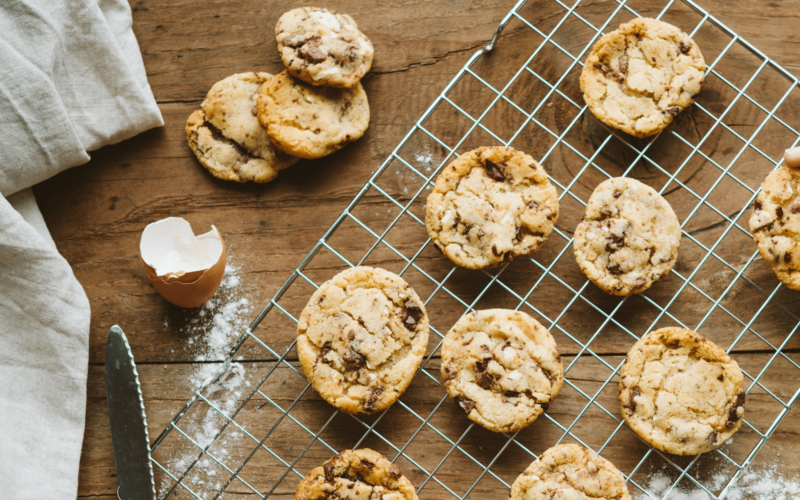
(760, 483)
(211, 331)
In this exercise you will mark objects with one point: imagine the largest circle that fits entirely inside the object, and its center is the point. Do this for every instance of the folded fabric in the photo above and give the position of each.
(72, 81)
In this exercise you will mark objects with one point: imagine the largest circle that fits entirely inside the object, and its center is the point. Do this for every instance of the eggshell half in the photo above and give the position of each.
(190, 289)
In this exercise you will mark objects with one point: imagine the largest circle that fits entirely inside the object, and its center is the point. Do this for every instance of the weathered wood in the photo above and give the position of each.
(96, 214)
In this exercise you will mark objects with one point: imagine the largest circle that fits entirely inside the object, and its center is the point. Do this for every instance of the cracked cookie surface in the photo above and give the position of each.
(225, 134)
(361, 338)
(680, 392)
(569, 471)
(628, 238)
(311, 122)
(323, 47)
(502, 368)
(639, 77)
(489, 206)
(361, 474)
(775, 224)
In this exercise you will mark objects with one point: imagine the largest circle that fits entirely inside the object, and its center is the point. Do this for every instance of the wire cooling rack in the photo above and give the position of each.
(522, 90)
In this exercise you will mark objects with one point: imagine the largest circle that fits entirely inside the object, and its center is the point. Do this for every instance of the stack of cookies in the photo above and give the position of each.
(251, 125)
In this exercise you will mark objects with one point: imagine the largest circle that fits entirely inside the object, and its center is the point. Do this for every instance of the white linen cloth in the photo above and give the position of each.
(71, 81)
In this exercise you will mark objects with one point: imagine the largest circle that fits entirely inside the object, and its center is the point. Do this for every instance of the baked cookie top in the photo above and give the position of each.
(775, 224)
(639, 77)
(628, 238)
(311, 122)
(323, 47)
(356, 475)
(680, 392)
(225, 134)
(570, 471)
(502, 368)
(489, 206)
(361, 338)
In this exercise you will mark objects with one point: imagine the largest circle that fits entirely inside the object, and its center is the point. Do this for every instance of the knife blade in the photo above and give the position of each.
(128, 422)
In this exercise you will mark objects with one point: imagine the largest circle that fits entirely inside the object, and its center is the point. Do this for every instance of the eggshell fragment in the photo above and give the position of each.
(185, 269)
(792, 157)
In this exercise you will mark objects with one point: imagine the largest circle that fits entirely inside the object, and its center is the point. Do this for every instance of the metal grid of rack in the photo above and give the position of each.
(744, 90)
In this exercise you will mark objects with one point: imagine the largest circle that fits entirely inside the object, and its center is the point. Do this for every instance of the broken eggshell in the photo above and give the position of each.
(185, 269)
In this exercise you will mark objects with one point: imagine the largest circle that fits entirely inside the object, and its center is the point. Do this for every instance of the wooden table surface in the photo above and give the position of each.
(96, 212)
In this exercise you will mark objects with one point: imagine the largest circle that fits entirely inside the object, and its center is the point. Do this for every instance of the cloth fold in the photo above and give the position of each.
(72, 81)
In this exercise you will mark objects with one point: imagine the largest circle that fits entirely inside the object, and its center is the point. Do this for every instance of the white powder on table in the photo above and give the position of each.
(211, 330)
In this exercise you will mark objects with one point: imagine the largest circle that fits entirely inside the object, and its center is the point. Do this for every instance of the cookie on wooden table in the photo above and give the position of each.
(775, 224)
(323, 47)
(680, 392)
(361, 338)
(570, 471)
(225, 134)
(628, 238)
(356, 475)
(639, 77)
(311, 122)
(502, 368)
(489, 206)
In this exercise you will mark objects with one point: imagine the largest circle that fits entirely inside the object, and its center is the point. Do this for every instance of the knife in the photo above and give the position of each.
(128, 421)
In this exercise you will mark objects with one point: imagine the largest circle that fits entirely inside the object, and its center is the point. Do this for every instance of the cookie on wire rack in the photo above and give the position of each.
(502, 368)
(570, 471)
(490, 206)
(361, 338)
(361, 474)
(680, 392)
(639, 77)
(628, 238)
(775, 224)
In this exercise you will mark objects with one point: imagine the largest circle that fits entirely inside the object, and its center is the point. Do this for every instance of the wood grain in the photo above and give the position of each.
(96, 214)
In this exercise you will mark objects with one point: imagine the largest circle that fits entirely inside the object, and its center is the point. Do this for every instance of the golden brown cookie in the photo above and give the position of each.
(502, 368)
(775, 224)
(311, 122)
(568, 472)
(680, 392)
(356, 475)
(490, 206)
(639, 77)
(323, 47)
(361, 339)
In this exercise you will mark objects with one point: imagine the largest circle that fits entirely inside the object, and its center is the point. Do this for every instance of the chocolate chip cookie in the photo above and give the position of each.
(570, 471)
(361, 338)
(775, 224)
(502, 368)
(356, 475)
(225, 134)
(323, 47)
(639, 77)
(311, 122)
(680, 392)
(489, 206)
(629, 237)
